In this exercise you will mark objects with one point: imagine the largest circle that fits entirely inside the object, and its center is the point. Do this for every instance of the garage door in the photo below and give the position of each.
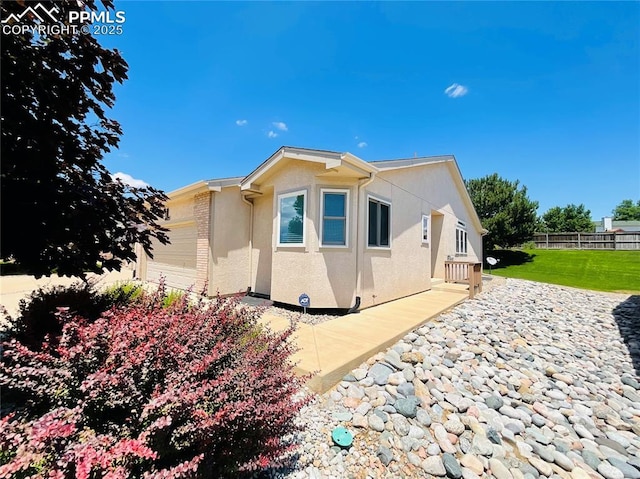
(177, 260)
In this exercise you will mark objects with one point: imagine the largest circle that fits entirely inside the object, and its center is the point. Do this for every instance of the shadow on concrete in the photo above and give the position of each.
(627, 315)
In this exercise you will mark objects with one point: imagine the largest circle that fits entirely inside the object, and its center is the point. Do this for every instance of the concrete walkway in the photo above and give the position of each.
(330, 349)
(15, 287)
(333, 348)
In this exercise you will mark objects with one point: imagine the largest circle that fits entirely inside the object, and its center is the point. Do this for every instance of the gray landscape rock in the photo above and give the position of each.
(380, 373)
(408, 407)
(481, 445)
(406, 389)
(342, 416)
(433, 465)
(543, 467)
(563, 461)
(499, 470)
(630, 381)
(451, 466)
(385, 455)
(527, 381)
(400, 424)
(623, 466)
(494, 402)
(610, 472)
(454, 427)
(591, 459)
(493, 436)
(376, 423)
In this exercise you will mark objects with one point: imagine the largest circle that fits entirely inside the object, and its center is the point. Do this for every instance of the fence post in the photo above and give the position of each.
(615, 241)
(579, 247)
(547, 235)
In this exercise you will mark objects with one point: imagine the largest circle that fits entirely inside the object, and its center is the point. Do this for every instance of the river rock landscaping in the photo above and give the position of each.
(530, 380)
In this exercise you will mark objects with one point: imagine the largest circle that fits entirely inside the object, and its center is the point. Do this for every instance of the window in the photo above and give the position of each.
(461, 239)
(334, 228)
(379, 223)
(425, 228)
(291, 215)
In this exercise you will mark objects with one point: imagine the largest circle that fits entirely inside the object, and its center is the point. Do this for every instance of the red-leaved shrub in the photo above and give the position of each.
(193, 390)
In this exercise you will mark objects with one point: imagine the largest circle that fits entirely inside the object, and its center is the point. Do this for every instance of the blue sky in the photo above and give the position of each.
(547, 93)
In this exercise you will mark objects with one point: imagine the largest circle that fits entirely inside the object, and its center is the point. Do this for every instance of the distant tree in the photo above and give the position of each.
(627, 211)
(571, 218)
(61, 208)
(504, 209)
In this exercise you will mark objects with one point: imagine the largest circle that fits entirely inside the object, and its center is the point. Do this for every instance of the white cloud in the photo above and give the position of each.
(241, 122)
(362, 144)
(129, 180)
(272, 134)
(280, 125)
(456, 90)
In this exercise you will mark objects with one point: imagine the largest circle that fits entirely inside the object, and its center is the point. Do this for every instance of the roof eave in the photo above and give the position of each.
(328, 158)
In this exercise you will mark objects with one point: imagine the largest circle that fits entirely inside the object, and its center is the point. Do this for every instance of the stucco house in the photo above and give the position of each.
(342, 230)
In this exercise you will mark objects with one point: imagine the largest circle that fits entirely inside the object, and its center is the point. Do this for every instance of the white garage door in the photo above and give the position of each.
(177, 260)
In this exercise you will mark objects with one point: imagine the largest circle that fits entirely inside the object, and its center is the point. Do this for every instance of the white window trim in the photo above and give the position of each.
(346, 215)
(462, 227)
(282, 196)
(366, 236)
(428, 218)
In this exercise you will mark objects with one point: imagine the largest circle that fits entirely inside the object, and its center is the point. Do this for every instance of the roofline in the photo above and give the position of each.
(217, 183)
(203, 186)
(452, 164)
(467, 196)
(384, 165)
(331, 159)
(189, 189)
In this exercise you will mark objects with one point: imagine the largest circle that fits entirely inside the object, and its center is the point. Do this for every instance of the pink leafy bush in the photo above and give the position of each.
(196, 390)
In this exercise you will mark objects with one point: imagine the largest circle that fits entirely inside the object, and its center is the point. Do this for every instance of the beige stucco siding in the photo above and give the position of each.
(327, 275)
(262, 248)
(229, 248)
(440, 195)
(216, 238)
(404, 268)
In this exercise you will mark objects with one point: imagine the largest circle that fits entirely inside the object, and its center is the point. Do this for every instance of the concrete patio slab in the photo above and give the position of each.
(333, 348)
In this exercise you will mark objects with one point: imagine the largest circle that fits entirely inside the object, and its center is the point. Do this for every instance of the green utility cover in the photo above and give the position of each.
(342, 437)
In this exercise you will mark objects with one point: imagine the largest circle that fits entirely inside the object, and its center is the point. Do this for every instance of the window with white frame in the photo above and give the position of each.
(425, 228)
(379, 223)
(334, 228)
(461, 239)
(291, 215)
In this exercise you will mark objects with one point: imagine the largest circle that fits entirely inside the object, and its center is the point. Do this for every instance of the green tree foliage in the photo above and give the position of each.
(571, 219)
(504, 209)
(61, 208)
(627, 211)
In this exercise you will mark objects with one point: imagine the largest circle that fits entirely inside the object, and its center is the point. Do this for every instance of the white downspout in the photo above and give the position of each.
(359, 248)
(250, 203)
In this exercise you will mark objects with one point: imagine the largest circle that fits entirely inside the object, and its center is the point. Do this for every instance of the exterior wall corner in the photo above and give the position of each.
(201, 213)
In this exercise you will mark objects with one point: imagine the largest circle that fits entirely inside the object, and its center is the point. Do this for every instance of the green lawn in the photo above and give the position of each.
(617, 271)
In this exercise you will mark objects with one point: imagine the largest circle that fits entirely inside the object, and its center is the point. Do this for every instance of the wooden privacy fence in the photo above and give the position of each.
(622, 240)
(466, 273)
